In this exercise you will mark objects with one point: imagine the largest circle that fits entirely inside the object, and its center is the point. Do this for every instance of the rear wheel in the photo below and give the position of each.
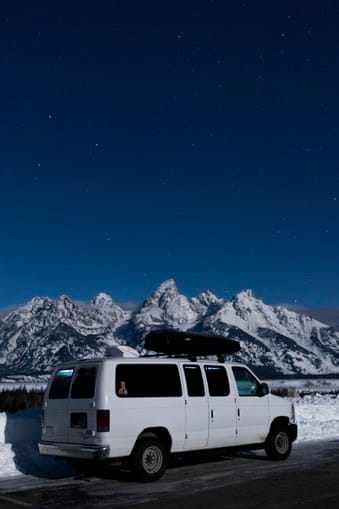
(278, 444)
(149, 459)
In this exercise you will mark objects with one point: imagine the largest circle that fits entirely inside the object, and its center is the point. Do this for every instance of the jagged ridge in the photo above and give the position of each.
(44, 332)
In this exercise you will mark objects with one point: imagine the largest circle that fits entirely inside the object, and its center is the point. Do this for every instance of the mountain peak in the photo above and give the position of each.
(165, 292)
(102, 299)
(104, 309)
(166, 305)
(64, 299)
(247, 294)
(65, 304)
(36, 304)
(208, 297)
(167, 285)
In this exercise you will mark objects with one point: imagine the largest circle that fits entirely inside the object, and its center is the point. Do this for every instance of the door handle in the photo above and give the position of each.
(212, 414)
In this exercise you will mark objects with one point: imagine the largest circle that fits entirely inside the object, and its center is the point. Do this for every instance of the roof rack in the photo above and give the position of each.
(192, 358)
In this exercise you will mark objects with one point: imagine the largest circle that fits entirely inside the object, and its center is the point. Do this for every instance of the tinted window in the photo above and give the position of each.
(61, 383)
(217, 380)
(84, 383)
(147, 380)
(195, 385)
(246, 383)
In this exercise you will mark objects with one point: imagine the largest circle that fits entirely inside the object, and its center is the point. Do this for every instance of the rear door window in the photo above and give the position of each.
(84, 384)
(217, 381)
(61, 384)
(194, 382)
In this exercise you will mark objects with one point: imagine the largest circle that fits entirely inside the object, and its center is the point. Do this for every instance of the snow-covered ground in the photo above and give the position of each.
(317, 417)
(19, 436)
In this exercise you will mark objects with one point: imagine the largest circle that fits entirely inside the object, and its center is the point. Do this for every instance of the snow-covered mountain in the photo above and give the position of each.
(42, 333)
(275, 338)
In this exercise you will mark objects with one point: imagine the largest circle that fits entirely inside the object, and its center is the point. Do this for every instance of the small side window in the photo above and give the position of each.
(217, 381)
(194, 382)
(246, 383)
(84, 384)
(61, 384)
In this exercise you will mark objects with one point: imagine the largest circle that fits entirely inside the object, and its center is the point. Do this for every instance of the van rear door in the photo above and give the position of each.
(196, 435)
(82, 407)
(56, 406)
(222, 409)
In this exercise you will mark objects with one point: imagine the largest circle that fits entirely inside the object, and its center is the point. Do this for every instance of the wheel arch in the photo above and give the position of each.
(156, 432)
(279, 421)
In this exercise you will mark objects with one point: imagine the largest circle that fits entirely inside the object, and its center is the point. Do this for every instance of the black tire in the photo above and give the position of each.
(278, 444)
(149, 459)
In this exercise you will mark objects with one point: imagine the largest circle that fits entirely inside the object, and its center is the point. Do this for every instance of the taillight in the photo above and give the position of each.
(102, 420)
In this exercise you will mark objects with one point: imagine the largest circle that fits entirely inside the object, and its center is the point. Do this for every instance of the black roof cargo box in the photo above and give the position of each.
(174, 342)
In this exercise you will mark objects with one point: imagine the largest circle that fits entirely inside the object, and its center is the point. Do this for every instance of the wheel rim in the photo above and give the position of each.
(152, 459)
(282, 442)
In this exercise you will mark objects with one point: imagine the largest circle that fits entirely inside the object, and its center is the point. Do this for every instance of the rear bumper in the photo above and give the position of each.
(293, 431)
(92, 452)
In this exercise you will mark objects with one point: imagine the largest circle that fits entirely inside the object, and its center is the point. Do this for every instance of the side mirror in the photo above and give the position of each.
(264, 389)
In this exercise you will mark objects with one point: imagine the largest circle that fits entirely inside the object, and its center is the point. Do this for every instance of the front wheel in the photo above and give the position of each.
(149, 459)
(278, 444)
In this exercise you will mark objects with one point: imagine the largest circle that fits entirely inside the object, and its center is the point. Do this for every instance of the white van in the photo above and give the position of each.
(145, 408)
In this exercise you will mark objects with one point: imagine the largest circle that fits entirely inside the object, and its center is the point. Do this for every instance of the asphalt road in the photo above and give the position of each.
(308, 479)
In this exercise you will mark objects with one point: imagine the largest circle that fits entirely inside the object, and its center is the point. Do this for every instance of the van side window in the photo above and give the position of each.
(61, 384)
(84, 383)
(217, 381)
(147, 381)
(194, 382)
(246, 383)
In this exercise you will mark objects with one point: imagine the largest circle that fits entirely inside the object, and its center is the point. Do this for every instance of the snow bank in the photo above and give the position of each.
(317, 418)
(19, 436)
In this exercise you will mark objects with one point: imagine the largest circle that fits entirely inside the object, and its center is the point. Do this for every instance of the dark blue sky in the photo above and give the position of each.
(142, 140)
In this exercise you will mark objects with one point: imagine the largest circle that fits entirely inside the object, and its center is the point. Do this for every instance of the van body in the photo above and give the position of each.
(145, 408)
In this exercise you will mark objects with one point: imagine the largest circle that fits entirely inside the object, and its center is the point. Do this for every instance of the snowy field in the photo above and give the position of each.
(317, 417)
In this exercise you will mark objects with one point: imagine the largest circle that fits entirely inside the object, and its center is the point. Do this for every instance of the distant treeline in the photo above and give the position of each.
(288, 392)
(20, 399)
(264, 375)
